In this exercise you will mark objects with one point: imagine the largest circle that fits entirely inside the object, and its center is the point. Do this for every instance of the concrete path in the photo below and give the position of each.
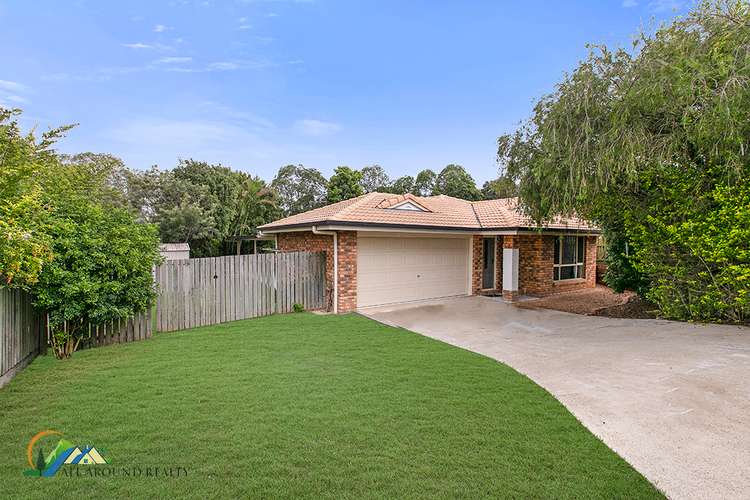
(671, 398)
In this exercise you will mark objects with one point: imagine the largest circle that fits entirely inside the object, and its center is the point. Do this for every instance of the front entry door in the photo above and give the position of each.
(488, 266)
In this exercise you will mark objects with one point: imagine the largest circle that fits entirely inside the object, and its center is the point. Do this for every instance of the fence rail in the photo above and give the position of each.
(207, 291)
(21, 332)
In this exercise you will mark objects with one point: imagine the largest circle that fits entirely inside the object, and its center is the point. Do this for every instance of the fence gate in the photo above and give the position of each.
(207, 291)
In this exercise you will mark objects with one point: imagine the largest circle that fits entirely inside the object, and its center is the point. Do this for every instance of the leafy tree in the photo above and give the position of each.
(344, 184)
(220, 191)
(455, 181)
(24, 161)
(204, 205)
(502, 187)
(102, 261)
(299, 189)
(652, 144)
(374, 179)
(402, 185)
(106, 174)
(257, 205)
(424, 184)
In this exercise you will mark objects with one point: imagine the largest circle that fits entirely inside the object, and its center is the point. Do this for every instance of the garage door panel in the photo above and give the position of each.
(403, 269)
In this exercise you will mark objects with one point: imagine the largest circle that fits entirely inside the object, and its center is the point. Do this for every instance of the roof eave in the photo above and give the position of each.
(468, 229)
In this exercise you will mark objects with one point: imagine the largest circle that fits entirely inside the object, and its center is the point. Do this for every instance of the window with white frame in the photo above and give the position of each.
(570, 258)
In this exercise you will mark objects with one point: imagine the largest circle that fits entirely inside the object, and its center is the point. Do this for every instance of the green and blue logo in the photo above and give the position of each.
(64, 453)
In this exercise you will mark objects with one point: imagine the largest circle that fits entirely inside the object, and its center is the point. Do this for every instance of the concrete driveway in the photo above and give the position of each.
(671, 398)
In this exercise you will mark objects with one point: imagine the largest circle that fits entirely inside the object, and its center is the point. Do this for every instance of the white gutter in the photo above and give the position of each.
(315, 230)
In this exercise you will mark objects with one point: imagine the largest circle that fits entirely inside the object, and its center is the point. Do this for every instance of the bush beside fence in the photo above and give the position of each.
(191, 292)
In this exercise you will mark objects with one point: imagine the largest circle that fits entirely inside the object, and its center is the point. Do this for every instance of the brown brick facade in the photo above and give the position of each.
(534, 273)
(476, 264)
(307, 241)
(347, 271)
(535, 266)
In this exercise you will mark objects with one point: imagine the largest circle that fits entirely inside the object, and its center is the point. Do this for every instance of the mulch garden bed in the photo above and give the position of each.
(598, 301)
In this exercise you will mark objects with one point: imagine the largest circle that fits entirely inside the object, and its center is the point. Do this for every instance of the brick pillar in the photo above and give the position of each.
(510, 267)
(476, 264)
(499, 263)
(347, 278)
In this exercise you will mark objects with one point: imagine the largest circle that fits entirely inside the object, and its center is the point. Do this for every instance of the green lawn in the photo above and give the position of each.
(309, 406)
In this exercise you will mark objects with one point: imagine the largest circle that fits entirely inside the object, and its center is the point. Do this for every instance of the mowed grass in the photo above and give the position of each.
(309, 406)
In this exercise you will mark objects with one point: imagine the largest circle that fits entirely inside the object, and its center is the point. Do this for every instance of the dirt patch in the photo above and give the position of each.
(598, 301)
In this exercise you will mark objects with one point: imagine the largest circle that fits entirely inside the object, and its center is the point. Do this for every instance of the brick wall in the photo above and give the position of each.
(476, 264)
(535, 266)
(347, 242)
(307, 241)
(499, 264)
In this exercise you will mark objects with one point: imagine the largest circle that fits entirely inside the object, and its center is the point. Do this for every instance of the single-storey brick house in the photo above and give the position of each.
(384, 248)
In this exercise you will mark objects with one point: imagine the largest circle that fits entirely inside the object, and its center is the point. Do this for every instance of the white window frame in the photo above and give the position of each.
(579, 260)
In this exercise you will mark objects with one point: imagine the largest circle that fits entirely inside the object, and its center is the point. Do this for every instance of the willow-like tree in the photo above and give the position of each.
(652, 143)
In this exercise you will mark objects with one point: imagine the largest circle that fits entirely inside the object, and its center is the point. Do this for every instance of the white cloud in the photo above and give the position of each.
(316, 128)
(173, 60)
(138, 46)
(272, 14)
(12, 86)
(16, 99)
(160, 28)
(223, 66)
(629, 3)
(147, 140)
(665, 5)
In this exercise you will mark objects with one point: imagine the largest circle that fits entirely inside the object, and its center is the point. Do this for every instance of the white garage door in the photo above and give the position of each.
(402, 269)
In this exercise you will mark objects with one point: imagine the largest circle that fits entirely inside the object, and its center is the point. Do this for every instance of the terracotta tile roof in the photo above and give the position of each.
(439, 212)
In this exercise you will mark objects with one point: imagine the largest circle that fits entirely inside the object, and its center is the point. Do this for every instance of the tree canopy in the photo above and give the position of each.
(25, 246)
(66, 236)
(652, 143)
(204, 205)
(402, 185)
(424, 184)
(455, 181)
(374, 179)
(502, 187)
(299, 189)
(344, 184)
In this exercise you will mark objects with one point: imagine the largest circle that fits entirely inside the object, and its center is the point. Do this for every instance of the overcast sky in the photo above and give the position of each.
(259, 84)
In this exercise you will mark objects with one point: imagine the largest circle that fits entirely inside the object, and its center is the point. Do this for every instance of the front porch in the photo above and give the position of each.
(536, 264)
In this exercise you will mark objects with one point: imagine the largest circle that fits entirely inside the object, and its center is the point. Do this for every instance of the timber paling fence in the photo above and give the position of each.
(21, 332)
(191, 292)
(207, 291)
(24, 332)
